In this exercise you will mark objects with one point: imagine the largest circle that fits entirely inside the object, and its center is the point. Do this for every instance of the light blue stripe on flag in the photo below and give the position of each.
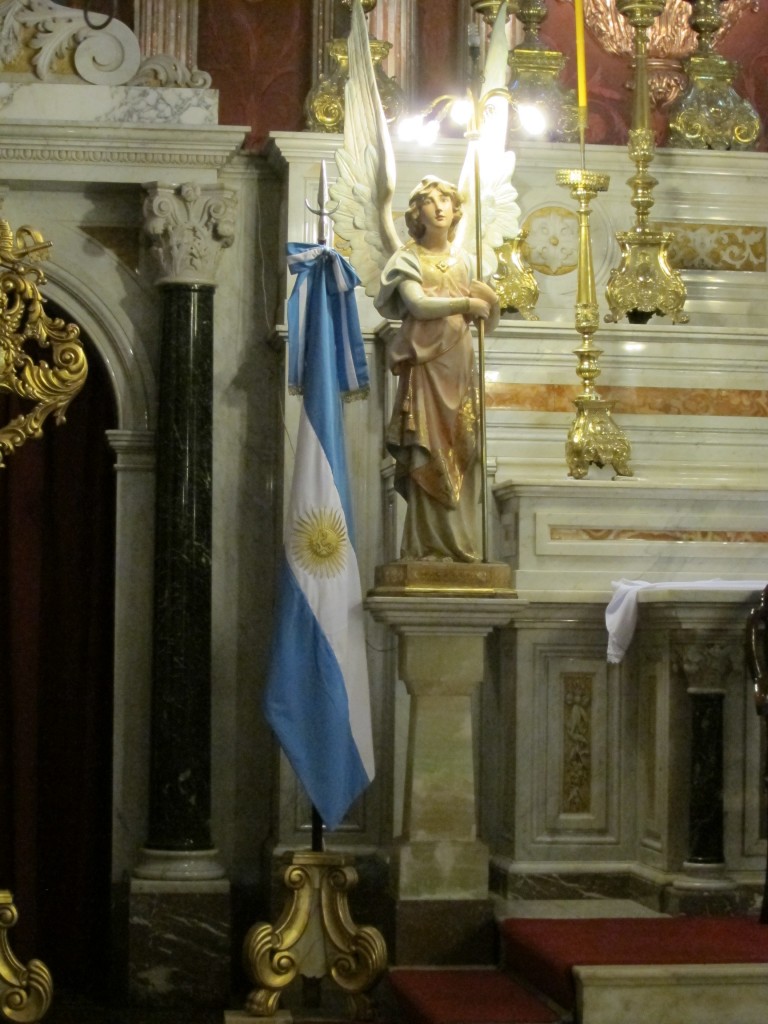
(317, 696)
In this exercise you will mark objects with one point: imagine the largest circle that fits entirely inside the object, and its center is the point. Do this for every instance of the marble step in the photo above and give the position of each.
(675, 970)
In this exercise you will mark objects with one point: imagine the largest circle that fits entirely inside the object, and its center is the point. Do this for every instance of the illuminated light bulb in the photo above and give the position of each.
(532, 119)
(429, 133)
(410, 128)
(461, 112)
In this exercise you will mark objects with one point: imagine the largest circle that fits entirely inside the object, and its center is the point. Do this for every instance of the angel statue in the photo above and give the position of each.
(431, 285)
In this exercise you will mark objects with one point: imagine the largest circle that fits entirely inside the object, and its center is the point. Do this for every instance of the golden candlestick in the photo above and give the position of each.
(710, 114)
(541, 106)
(324, 105)
(594, 438)
(644, 283)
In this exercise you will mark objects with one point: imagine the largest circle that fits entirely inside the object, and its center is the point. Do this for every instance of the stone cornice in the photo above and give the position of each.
(131, 154)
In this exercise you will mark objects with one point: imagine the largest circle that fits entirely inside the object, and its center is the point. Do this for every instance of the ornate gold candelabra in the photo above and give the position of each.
(594, 438)
(710, 114)
(644, 283)
(324, 106)
(25, 992)
(541, 107)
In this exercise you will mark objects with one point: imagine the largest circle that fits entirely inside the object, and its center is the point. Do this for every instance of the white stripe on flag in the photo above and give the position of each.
(336, 601)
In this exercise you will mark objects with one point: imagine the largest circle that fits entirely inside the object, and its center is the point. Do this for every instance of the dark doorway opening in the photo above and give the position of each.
(57, 556)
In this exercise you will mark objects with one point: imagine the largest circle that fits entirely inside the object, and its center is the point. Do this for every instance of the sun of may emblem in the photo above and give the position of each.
(320, 542)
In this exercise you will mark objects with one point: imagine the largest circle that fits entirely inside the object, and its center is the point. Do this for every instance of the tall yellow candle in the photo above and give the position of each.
(581, 64)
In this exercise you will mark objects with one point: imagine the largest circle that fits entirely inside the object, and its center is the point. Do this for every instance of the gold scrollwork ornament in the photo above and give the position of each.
(514, 281)
(25, 992)
(324, 106)
(711, 114)
(644, 283)
(23, 320)
(314, 936)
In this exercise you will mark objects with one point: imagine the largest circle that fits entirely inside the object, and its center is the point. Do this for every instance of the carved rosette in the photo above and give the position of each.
(188, 227)
(24, 322)
(25, 992)
(316, 917)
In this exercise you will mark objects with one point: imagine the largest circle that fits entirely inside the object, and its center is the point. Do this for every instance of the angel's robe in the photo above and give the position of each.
(433, 431)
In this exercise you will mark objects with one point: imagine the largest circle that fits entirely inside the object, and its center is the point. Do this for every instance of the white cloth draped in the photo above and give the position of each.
(621, 613)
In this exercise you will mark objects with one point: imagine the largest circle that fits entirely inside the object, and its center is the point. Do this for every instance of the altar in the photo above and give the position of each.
(583, 769)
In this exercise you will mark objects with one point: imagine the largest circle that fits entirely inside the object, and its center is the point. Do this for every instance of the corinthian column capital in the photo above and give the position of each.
(188, 227)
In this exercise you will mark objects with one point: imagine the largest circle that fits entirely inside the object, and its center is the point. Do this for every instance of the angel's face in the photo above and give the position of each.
(436, 210)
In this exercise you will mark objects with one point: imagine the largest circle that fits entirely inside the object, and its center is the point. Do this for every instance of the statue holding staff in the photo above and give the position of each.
(432, 286)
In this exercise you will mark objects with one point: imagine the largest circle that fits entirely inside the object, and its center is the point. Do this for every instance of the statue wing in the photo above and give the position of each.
(366, 166)
(496, 165)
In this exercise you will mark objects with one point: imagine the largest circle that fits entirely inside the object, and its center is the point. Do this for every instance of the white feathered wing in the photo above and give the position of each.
(500, 212)
(366, 165)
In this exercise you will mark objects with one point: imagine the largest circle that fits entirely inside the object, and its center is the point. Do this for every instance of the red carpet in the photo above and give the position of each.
(544, 951)
(471, 996)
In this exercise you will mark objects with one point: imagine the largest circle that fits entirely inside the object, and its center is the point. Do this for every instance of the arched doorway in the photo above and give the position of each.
(57, 538)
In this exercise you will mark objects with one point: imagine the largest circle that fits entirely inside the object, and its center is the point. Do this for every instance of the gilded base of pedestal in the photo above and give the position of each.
(644, 284)
(25, 992)
(315, 937)
(446, 579)
(594, 439)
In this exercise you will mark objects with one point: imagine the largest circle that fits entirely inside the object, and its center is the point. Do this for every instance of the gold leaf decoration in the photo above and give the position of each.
(49, 384)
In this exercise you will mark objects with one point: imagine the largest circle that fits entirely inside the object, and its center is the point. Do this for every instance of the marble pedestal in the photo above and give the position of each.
(441, 614)
(180, 946)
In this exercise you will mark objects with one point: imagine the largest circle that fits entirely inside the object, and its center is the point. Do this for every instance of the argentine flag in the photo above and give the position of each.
(317, 696)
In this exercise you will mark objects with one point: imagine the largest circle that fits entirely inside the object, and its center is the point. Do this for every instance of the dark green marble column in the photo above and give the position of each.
(188, 227)
(180, 804)
(179, 912)
(705, 809)
(708, 664)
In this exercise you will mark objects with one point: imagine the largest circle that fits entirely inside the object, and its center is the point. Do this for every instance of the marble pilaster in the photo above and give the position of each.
(168, 27)
(705, 671)
(439, 865)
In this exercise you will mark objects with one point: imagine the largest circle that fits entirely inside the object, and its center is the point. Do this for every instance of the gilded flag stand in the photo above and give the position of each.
(25, 992)
(316, 697)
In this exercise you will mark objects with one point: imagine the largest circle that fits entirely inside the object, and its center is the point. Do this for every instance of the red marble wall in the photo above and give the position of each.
(259, 53)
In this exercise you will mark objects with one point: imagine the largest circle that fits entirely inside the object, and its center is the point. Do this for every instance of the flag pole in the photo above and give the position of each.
(323, 217)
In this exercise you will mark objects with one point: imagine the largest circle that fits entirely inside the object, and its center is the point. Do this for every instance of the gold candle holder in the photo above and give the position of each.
(594, 437)
(541, 106)
(710, 114)
(644, 284)
(324, 105)
(514, 282)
